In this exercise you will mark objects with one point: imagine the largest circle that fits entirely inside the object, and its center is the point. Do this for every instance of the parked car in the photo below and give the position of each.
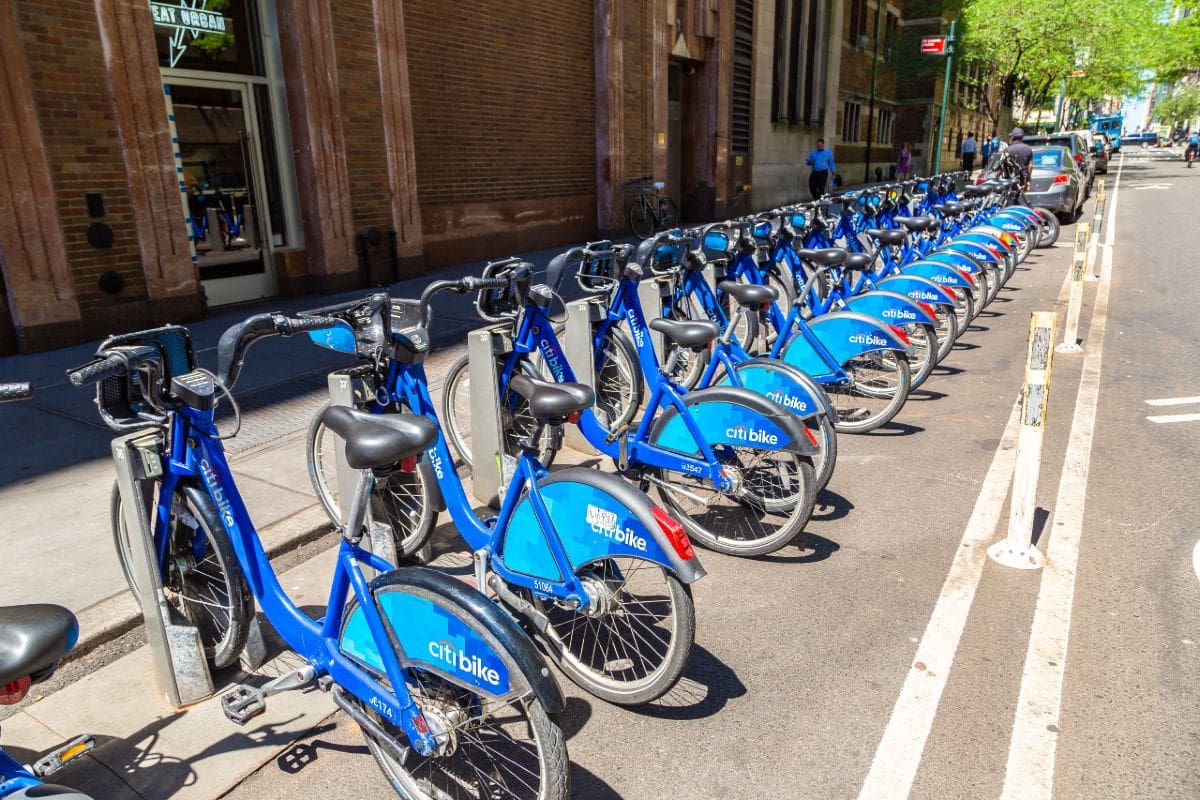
(1142, 139)
(1095, 144)
(1057, 182)
(1077, 147)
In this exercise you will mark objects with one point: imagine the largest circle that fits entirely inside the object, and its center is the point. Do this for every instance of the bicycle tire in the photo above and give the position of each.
(401, 500)
(619, 385)
(580, 646)
(641, 218)
(668, 217)
(858, 388)
(455, 416)
(222, 640)
(435, 694)
(925, 349)
(947, 330)
(1050, 236)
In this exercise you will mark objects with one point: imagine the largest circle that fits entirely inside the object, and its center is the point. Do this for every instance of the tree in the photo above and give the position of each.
(1179, 107)
(1177, 53)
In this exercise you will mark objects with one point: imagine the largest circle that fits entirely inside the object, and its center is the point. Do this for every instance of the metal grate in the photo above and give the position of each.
(743, 77)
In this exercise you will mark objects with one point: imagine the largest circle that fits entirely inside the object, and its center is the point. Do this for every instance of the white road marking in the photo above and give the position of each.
(1196, 559)
(1167, 418)
(1174, 401)
(1029, 774)
(899, 753)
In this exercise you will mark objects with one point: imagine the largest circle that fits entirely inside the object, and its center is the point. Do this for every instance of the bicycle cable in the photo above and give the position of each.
(237, 411)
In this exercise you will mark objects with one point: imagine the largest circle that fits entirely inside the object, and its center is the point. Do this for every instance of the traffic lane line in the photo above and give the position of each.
(1029, 773)
(899, 753)
(1168, 418)
(1173, 401)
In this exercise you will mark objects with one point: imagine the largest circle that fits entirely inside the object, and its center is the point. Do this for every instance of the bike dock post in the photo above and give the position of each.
(1017, 549)
(651, 291)
(1070, 342)
(1097, 221)
(351, 388)
(180, 669)
(582, 316)
(491, 466)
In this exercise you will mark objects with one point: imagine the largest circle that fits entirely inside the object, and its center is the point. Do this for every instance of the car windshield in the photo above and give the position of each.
(1048, 159)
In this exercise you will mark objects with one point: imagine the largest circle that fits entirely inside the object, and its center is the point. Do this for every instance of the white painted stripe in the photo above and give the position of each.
(1174, 401)
(1166, 418)
(1196, 559)
(1029, 774)
(899, 753)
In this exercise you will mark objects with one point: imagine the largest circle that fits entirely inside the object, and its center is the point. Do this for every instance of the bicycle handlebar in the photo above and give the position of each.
(15, 391)
(236, 340)
(110, 365)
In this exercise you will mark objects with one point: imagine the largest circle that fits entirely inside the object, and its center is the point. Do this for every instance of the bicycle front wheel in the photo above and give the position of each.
(668, 214)
(400, 500)
(203, 581)
(641, 219)
(635, 645)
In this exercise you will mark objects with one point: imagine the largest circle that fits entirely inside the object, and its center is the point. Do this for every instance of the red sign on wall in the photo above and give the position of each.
(933, 45)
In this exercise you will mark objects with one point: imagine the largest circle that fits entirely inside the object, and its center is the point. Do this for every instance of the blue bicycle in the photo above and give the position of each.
(594, 571)
(450, 694)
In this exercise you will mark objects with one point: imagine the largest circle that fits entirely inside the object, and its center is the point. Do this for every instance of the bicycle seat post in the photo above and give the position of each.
(357, 516)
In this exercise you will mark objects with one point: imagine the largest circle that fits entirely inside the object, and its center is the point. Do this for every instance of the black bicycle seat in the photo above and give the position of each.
(552, 402)
(858, 261)
(692, 334)
(888, 236)
(749, 295)
(915, 223)
(32, 640)
(379, 440)
(826, 257)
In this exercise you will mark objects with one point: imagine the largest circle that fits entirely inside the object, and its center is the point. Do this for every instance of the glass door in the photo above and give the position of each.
(228, 212)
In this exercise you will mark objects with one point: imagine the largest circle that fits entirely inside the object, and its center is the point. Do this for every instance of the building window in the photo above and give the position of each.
(851, 114)
(741, 107)
(858, 21)
(891, 38)
(798, 84)
(883, 127)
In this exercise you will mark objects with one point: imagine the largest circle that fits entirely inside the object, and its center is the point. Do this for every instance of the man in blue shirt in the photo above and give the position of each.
(821, 161)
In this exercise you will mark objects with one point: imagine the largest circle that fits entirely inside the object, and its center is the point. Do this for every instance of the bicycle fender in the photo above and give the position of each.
(430, 479)
(979, 242)
(425, 619)
(845, 334)
(921, 289)
(941, 274)
(783, 384)
(979, 253)
(957, 259)
(730, 415)
(893, 308)
(596, 516)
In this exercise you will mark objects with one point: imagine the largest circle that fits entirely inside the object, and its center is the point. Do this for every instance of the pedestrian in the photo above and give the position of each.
(969, 148)
(904, 162)
(1021, 155)
(821, 161)
(985, 150)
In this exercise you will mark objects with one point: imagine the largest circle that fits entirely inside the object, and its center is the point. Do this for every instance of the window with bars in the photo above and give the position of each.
(851, 116)
(798, 83)
(883, 126)
(741, 107)
(858, 20)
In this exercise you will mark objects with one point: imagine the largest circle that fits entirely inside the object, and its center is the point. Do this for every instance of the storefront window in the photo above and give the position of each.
(209, 35)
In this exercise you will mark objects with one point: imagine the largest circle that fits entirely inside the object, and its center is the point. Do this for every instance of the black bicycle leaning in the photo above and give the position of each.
(652, 211)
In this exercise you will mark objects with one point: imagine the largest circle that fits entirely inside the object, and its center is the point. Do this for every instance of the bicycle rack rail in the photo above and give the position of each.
(491, 467)
(582, 316)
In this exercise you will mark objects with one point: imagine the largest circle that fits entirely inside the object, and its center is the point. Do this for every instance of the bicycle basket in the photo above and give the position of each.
(666, 258)
(599, 272)
(504, 304)
(717, 245)
(122, 399)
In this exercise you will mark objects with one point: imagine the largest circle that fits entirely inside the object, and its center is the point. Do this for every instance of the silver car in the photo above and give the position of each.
(1056, 183)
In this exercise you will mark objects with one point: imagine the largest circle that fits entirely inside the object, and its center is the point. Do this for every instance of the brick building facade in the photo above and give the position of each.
(160, 157)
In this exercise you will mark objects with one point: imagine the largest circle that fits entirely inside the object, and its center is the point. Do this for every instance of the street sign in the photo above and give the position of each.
(933, 45)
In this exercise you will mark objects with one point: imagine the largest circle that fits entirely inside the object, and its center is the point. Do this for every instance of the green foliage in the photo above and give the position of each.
(1177, 52)
(1180, 106)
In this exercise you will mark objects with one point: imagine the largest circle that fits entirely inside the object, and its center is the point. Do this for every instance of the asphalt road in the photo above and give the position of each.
(801, 657)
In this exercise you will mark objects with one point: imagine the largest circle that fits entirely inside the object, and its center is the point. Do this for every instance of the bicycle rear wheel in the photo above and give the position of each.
(203, 581)
(925, 351)
(641, 219)
(400, 500)
(878, 388)
(668, 213)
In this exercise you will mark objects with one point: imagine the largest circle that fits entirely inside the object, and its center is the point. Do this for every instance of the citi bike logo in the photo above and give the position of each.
(639, 336)
(741, 433)
(604, 522)
(788, 401)
(218, 493)
(899, 313)
(553, 358)
(435, 461)
(868, 338)
(446, 653)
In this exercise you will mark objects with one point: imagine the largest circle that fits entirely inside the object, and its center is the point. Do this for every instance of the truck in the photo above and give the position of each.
(1109, 124)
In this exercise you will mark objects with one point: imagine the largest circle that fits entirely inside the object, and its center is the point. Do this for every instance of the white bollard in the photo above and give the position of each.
(1017, 549)
(1097, 222)
(1070, 342)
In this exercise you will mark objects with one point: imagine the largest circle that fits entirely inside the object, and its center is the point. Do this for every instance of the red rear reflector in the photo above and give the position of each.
(928, 308)
(812, 437)
(574, 416)
(966, 276)
(899, 332)
(408, 464)
(979, 180)
(14, 692)
(1062, 178)
(675, 533)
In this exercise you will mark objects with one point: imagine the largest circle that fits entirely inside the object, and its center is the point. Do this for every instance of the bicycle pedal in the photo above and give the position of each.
(243, 703)
(62, 755)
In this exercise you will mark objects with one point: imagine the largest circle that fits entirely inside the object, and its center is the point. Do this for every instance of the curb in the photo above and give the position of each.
(109, 619)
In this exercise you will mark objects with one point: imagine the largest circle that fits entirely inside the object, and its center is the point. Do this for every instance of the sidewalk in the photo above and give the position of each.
(56, 479)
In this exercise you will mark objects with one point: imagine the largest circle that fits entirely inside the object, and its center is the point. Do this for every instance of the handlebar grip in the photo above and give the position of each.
(302, 324)
(97, 370)
(473, 284)
(15, 391)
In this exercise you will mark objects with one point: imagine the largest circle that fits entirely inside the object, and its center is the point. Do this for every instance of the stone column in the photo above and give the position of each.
(659, 51)
(127, 36)
(833, 72)
(41, 296)
(310, 72)
(610, 115)
(392, 48)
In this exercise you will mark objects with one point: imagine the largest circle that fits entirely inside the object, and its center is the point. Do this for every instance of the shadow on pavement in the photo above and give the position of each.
(706, 685)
